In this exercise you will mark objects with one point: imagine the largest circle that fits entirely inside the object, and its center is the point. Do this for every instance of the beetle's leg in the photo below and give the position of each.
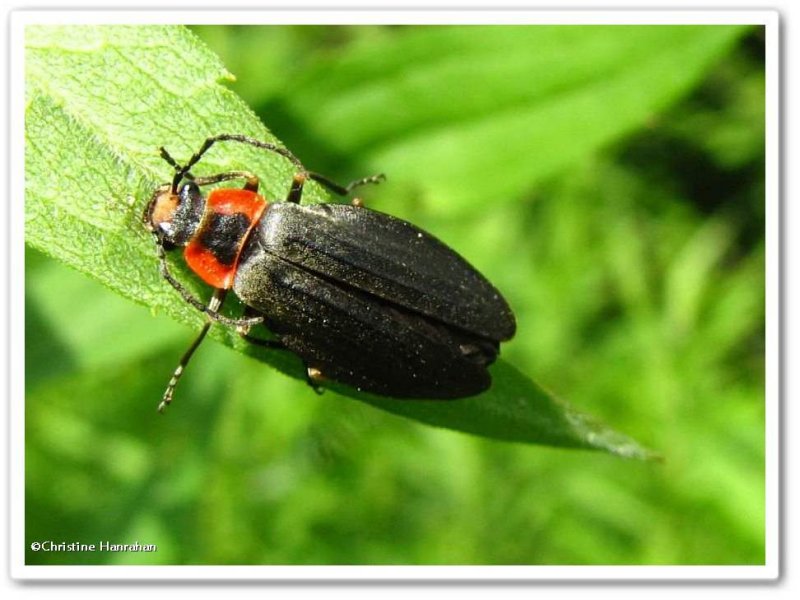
(214, 305)
(250, 180)
(187, 296)
(275, 344)
(314, 378)
(296, 191)
(343, 190)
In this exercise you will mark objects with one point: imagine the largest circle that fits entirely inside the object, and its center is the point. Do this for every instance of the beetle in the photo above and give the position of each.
(361, 297)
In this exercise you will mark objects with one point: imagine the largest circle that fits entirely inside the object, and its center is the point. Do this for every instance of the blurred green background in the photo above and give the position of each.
(635, 268)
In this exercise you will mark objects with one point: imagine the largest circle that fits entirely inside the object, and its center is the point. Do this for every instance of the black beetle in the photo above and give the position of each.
(363, 298)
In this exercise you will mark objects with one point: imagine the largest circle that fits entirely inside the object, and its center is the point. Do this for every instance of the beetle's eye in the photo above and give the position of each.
(189, 188)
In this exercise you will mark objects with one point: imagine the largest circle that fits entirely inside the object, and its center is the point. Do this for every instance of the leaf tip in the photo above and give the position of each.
(599, 437)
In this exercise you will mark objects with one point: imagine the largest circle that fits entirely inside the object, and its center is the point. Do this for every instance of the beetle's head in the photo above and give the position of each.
(174, 212)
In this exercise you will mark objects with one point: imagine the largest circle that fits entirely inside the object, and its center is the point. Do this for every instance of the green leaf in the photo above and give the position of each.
(516, 409)
(477, 114)
(100, 101)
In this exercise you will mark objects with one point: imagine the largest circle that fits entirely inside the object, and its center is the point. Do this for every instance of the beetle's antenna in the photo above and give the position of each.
(242, 139)
(183, 171)
(180, 172)
(167, 157)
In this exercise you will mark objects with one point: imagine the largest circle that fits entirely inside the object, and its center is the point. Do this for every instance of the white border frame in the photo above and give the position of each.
(19, 570)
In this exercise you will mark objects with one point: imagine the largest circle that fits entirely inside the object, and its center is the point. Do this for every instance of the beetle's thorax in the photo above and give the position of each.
(229, 217)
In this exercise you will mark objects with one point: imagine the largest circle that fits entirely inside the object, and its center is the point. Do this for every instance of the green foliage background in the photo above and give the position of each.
(608, 179)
